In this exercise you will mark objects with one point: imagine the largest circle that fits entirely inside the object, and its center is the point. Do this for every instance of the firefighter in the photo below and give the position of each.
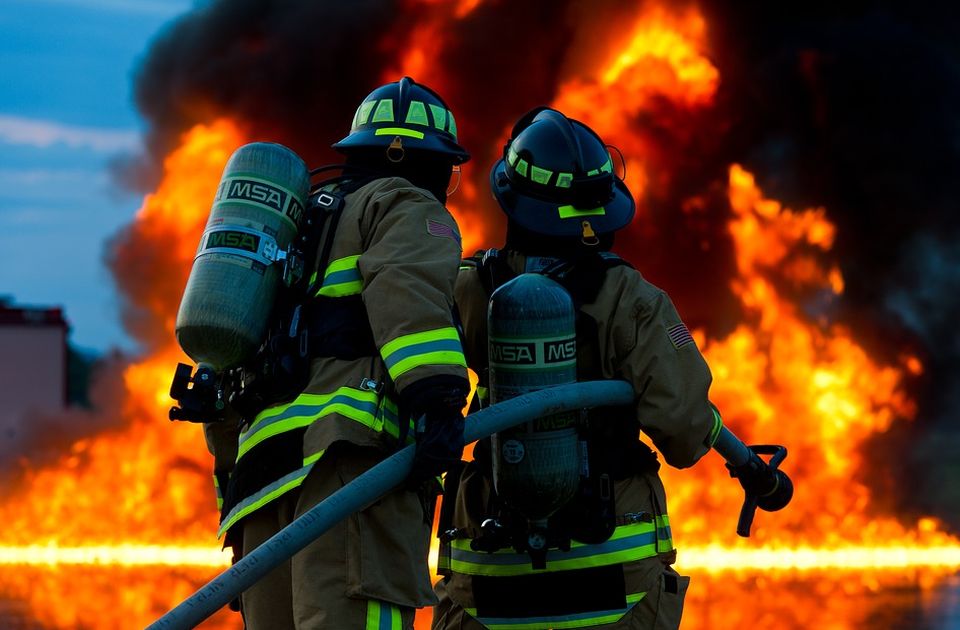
(563, 202)
(385, 368)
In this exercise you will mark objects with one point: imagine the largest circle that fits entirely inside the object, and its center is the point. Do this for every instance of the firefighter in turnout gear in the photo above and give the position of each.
(564, 203)
(382, 366)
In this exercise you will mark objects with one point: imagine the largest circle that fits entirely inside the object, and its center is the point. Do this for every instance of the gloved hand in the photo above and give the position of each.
(756, 477)
(436, 404)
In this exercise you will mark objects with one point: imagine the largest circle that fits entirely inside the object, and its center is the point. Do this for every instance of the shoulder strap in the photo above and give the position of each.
(583, 277)
(493, 269)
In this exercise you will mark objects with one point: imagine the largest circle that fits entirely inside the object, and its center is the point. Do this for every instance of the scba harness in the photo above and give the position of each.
(610, 434)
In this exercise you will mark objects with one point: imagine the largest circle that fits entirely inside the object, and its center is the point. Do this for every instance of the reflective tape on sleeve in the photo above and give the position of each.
(432, 347)
(383, 616)
(342, 278)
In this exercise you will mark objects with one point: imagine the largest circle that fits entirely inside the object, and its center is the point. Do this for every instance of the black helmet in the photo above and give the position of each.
(556, 179)
(404, 115)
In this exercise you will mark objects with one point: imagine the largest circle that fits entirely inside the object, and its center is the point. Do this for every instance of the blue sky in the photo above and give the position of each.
(66, 111)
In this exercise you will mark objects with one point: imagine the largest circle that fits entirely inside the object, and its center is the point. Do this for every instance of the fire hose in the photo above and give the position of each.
(389, 473)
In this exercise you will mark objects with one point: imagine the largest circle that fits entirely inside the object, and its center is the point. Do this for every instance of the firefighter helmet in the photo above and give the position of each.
(404, 115)
(556, 178)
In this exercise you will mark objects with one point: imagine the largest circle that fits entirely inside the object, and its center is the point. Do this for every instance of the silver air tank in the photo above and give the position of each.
(532, 345)
(230, 293)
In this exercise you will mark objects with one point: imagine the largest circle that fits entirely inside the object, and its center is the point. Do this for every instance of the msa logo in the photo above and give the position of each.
(247, 190)
(295, 211)
(559, 351)
(518, 353)
(234, 240)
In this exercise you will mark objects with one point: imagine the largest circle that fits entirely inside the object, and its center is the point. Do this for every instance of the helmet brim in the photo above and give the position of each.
(369, 139)
(552, 219)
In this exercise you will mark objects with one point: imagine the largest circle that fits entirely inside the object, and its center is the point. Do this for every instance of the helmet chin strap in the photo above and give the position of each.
(456, 186)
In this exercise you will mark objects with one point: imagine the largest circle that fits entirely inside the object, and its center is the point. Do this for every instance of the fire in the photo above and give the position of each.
(139, 499)
(779, 377)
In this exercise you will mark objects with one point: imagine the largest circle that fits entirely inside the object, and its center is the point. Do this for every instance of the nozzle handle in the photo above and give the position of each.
(764, 485)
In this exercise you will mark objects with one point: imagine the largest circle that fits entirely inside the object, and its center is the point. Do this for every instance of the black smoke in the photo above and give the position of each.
(852, 106)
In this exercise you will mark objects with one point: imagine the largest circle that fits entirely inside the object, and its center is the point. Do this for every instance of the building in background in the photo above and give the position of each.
(33, 363)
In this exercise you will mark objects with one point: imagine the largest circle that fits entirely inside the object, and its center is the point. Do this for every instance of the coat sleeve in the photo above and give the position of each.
(409, 264)
(653, 350)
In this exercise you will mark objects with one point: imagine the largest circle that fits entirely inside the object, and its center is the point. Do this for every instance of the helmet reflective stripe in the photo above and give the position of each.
(451, 124)
(540, 175)
(363, 113)
(399, 131)
(569, 212)
(439, 116)
(417, 114)
(384, 112)
(606, 168)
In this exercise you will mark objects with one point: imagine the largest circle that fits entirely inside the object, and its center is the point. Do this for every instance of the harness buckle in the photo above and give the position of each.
(326, 200)
(370, 385)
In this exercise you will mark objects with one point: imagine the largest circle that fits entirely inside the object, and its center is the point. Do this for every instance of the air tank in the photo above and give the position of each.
(256, 215)
(532, 345)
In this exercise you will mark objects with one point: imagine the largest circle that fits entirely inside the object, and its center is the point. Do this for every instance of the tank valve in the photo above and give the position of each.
(200, 395)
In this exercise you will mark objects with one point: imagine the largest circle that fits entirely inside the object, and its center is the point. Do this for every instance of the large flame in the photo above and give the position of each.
(787, 373)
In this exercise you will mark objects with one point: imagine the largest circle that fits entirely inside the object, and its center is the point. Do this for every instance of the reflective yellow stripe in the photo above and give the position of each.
(431, 347)
(717, 425)
(373, 615)
(216, 487)
(383, 616)
(267, 494)
(569, 212)
(309, 461)
(558, 622)
(341, 278)
(360, 406)
(635, 541)
(428, 358)
(399, 131)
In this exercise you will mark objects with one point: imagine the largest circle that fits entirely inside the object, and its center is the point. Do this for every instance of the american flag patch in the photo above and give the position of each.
(679, 335)
(435, 228)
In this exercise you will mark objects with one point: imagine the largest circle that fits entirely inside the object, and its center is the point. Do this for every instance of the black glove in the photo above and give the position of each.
(436, 405)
